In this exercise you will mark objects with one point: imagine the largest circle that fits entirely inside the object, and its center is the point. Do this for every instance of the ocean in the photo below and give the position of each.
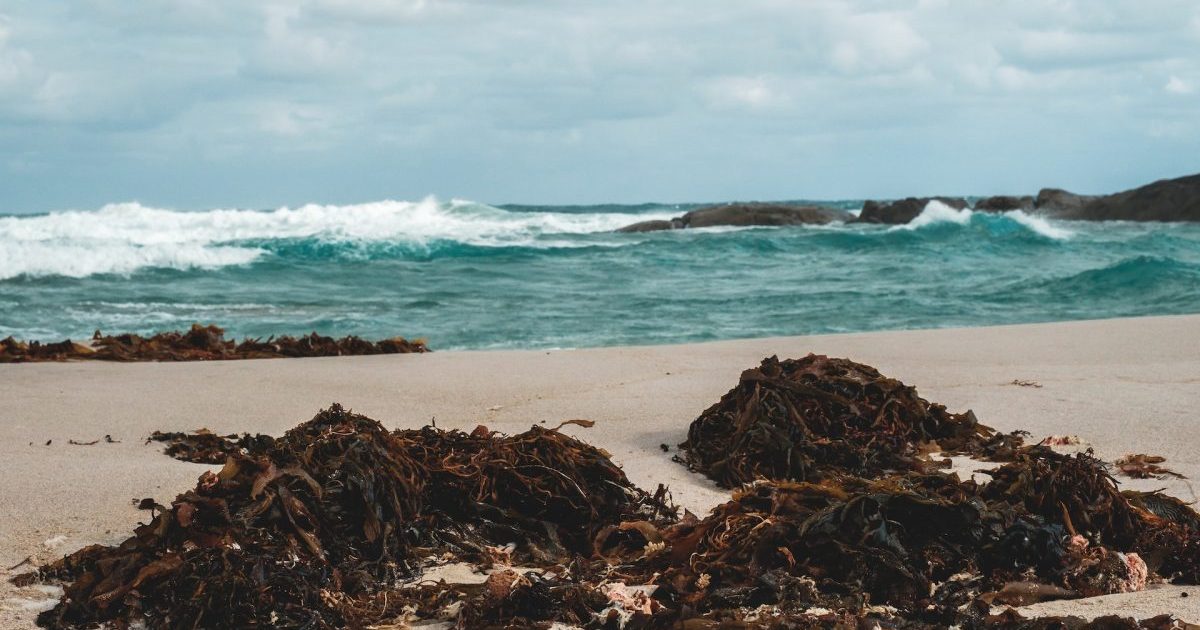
(466, 275)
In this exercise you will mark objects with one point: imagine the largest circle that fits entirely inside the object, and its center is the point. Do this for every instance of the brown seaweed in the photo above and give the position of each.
(205, 447)
(1143, 466)
(199, 343)
(335, 510)
(804, 419)
(845, 512)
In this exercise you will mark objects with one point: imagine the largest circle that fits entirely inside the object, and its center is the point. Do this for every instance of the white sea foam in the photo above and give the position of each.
(1039, 225)
(936, 212)
(125, 237)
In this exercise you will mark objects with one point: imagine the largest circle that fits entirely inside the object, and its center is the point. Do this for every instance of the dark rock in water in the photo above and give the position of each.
(1163, 200)
(902, 211)
(653, 226)
(748, 214)
(745, 215)
(1057, 200)
(1004, 203)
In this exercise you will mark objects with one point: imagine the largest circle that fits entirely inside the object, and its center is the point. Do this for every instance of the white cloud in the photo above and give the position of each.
(479, 94)
(15, 63)
(291, 120)
(875, 42)
(373, 10)
(743, 92)
(1175, 85)
(288, 51)
(1013, 78)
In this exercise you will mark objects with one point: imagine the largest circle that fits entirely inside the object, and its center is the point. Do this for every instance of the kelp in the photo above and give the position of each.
(511, 488)
(803, 419)
(292, 531)
(845, 521)
(199, 343)
(1143, 466)
(205, 447)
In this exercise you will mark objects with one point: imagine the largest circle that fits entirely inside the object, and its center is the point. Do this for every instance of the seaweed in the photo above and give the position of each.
(802, 419)
(840, 517)
(1142, 466)
(205, 447)
(296, 531)
(199, 343)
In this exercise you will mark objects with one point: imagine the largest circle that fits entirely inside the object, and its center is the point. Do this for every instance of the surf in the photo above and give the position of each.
(122, 238)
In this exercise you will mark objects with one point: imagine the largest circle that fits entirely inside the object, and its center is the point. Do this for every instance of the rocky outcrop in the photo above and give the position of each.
(1163, 200)
(1057, 201)
(654, 226)
(745, 215)
(902, 211)
(1005, 203)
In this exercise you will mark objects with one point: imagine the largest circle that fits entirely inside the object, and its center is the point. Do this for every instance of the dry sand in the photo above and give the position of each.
(1124, 385)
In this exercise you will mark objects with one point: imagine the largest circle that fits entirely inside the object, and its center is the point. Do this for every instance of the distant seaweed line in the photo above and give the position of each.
(200, 343)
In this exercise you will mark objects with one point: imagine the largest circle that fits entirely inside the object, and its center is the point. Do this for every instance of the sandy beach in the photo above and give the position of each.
(1121, 385)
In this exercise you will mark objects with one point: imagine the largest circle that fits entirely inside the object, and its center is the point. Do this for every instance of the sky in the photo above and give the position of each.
(194, 104)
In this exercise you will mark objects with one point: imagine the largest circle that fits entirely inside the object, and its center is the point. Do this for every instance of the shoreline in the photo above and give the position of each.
(1100, 379)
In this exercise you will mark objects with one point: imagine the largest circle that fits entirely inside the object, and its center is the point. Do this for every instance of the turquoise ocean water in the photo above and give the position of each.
(468, 275)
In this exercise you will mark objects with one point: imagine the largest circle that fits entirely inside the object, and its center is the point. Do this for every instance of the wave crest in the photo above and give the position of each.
(126, 237)
(937, 213)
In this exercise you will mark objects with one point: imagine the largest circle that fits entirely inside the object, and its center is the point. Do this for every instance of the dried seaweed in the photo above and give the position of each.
(846, 513)
(205, 447)
(803, 419)
(200, 343)
(1142, 466)
(335, 510)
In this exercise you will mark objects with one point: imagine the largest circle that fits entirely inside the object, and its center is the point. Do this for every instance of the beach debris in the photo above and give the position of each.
(205, 447)
(1062, 440)
(27, 560)
(293, 529)
(331, 524)
(199, 343)
(1164, 506)
(804, 419)
(1022, 383)
(1142, 466)
(108, 439)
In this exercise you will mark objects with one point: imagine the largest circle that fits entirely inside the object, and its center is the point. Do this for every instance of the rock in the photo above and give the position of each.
(1163, 200)
(650, 226)
(745, 215)
(902, 211)
(1056, 200)
(1004, 203)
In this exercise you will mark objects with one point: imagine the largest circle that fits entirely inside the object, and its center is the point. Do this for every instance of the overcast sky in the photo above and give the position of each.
(194, 104)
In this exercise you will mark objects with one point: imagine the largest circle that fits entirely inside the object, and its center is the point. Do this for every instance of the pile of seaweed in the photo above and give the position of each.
(325, 526)
(805, 419)
(304, 530)
(200, 343)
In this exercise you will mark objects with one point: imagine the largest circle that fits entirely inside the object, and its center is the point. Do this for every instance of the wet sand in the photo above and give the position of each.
(1122, 385)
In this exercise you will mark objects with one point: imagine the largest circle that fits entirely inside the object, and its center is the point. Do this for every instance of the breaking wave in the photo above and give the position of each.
(125, 237)
(937, 213)
(468, 275)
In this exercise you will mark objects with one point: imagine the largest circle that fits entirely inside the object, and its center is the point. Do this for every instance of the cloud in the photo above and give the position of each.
(16, 64)
(292, 51)
(291, 120)
(373, 11)
(233, 103)
(1175, 85)
(874, 42)
(755, 93)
